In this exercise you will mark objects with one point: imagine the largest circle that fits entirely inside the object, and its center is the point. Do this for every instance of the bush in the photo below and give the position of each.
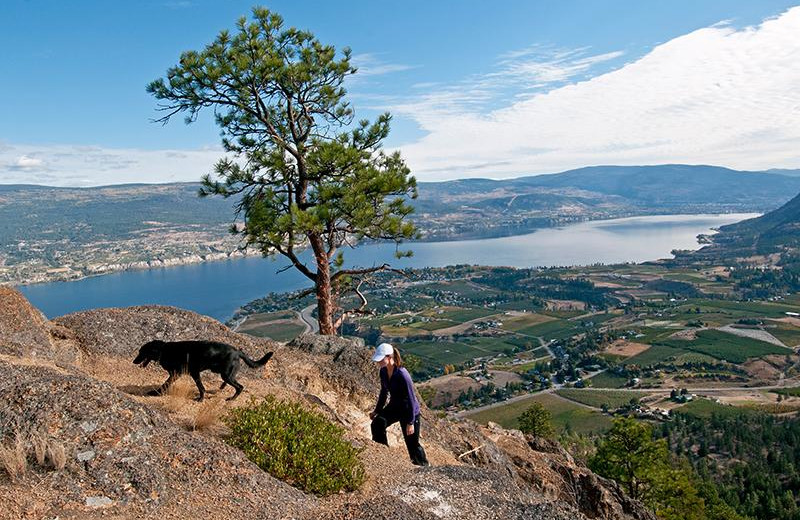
(537, 421)
(296, 445)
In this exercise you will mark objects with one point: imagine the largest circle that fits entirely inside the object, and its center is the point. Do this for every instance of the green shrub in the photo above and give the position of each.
(537, 421)
(296, 445)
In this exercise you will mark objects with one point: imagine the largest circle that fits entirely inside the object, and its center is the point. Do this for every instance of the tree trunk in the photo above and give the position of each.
(325, 308)
(325, 303)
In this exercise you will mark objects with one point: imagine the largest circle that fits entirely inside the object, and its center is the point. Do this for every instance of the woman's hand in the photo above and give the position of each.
(410, 429)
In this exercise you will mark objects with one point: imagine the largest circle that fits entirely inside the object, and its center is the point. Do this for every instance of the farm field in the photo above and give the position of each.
(523, 321)
(787, 333)
(794, 391)
(705, 408)
(566, 416)
(597, 398)
(551, 330)
(608, 380)
(459, 314)
(456, 352)
(740, 309)
(727, 347)
(656, 354)
(275, 330)
(432, 325)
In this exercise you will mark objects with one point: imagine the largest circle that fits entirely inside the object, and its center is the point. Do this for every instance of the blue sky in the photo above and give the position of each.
(497, 89)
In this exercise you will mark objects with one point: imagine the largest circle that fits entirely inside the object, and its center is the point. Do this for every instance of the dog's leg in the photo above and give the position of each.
(223, 385)
(234, 383)
(196, 377)
(163, 388)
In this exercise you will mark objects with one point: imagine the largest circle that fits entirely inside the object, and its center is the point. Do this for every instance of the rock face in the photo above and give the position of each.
(24, 331)
(124, 457)
(120, 332)
(132, 456)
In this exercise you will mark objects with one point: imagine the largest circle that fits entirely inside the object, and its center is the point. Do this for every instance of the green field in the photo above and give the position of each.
(432, 325)
(462, 288)
(705, 408)
(456, 352)
(724, 346)
(608, 380)
(278, 331)
(597, 398)
(793, 392)
(686, 277)
(563, 314)
(694, 357)
(652, 335)
(518, 305)
(770, 310)
(788, 334)
(460, 315)
(656, 354)
(441, 352)
(566, 415)
(260, 318)
(556, 329)
(517, 323)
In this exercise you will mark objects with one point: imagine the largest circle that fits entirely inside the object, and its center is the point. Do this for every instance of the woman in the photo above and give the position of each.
(403, 405)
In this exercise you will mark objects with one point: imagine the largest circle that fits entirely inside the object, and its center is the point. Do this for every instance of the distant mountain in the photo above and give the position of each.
(781, 171)
(660, 187)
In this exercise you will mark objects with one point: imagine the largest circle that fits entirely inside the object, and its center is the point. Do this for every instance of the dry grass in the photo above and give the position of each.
(57, 454)
(13, 457)
(208, 414)
(179, 394)
(39, 444)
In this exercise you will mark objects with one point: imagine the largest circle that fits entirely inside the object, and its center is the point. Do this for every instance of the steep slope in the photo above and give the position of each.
(773, 232)
(129, 455)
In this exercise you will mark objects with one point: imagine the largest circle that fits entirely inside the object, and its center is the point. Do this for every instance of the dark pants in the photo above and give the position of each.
(388, 417)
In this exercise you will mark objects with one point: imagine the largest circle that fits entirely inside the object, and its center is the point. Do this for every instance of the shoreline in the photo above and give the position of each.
(104, 269)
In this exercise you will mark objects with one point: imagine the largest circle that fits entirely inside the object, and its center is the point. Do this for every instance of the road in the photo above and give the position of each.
(309, 320)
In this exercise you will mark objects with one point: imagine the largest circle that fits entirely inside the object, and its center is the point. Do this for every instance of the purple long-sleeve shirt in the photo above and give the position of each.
(401, 390)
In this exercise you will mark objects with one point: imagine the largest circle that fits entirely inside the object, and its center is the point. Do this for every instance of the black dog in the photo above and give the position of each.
(192, 357)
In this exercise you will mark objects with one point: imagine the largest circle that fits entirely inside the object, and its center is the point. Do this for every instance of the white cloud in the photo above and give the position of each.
(27, 163)
(716, 96)
(540, 66)
(371, 65)
(69, 165)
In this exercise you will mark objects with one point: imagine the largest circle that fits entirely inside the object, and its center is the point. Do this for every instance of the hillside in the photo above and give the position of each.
(662, 186)
(126, 455)
(777, 231)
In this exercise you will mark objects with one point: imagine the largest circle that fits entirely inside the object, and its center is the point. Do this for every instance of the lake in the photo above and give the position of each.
(217, 289)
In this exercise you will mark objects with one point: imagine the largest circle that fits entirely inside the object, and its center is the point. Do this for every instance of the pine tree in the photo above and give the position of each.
(302, 173)
(536, 421)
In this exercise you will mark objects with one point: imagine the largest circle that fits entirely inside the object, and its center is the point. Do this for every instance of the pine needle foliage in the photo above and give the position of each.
(304, 173)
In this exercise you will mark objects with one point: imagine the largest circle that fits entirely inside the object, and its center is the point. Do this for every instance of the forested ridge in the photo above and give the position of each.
(752, 458)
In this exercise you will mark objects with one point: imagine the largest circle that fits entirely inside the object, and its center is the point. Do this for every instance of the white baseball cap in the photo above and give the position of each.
(381, 351)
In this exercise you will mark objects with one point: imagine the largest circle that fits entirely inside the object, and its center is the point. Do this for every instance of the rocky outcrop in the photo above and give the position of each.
(133, 456)
(549, 469)
(124, 458)
(457, 492)
(120, 332)
(24, 331)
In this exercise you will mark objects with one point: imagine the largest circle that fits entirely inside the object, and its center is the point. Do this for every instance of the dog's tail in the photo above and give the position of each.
(259, 363)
